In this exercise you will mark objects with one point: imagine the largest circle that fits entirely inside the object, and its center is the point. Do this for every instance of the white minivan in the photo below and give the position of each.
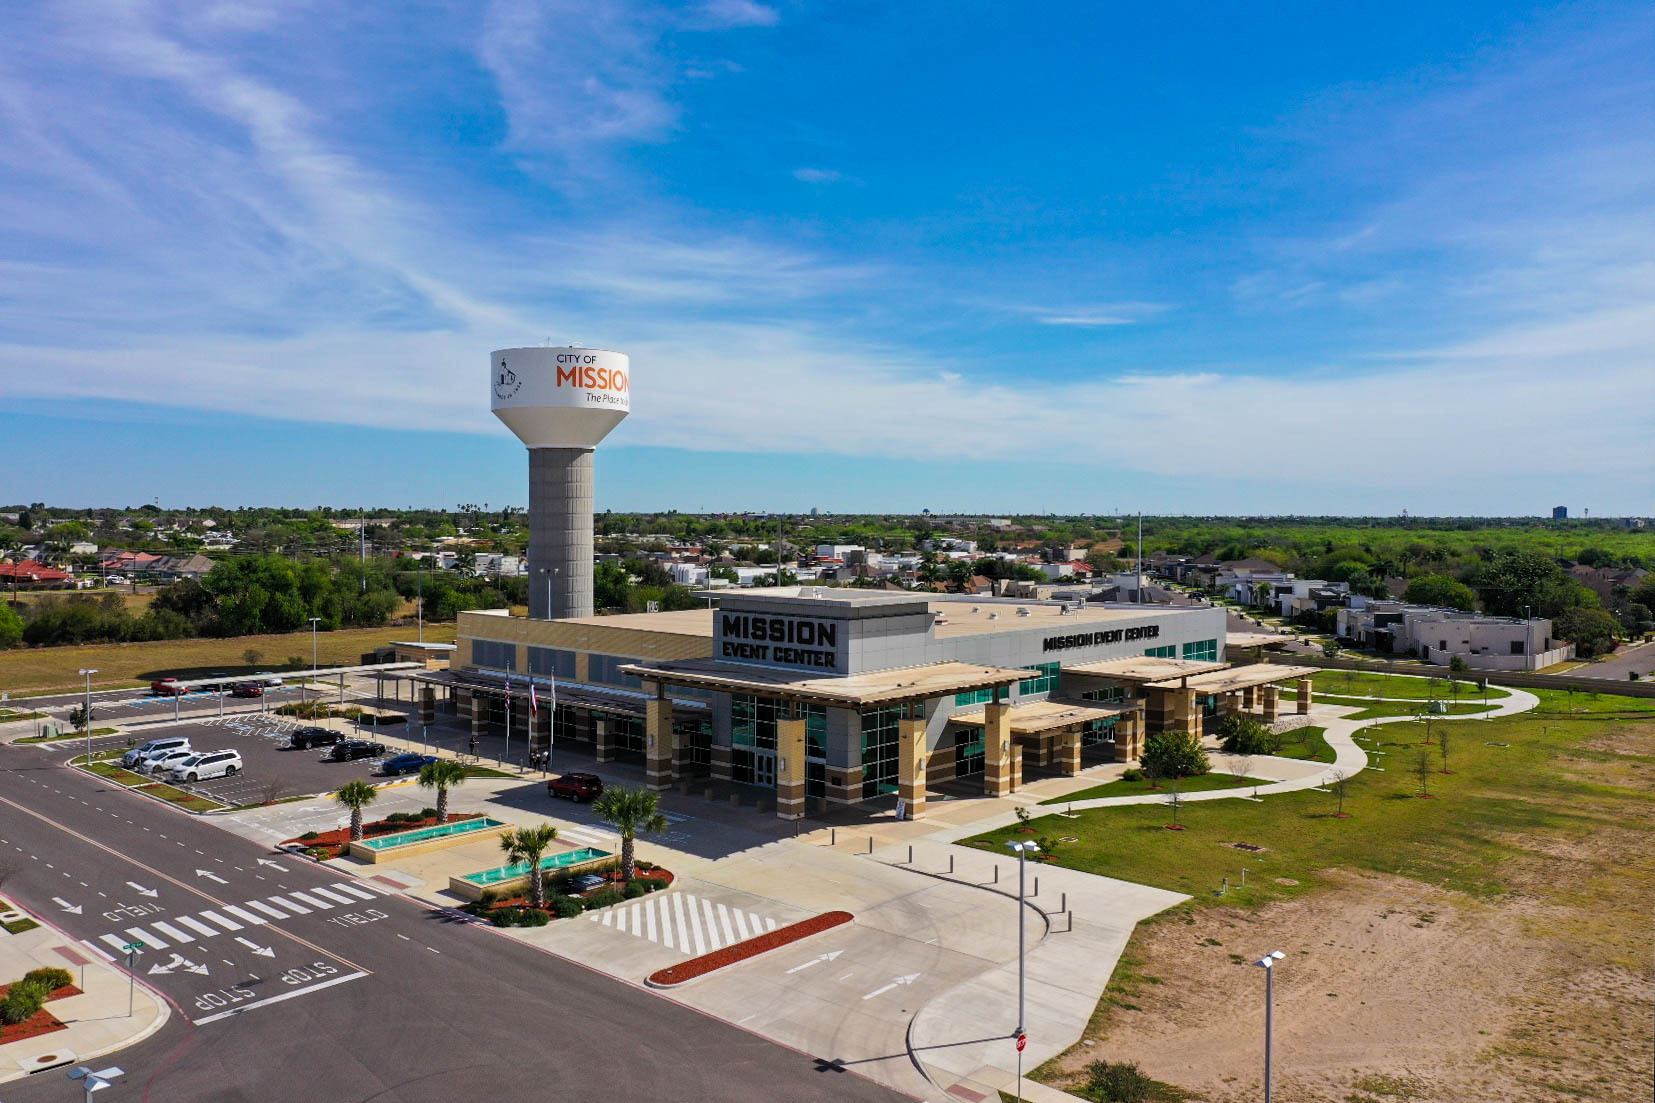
(160, 762)
(144, 750)
(200, 766)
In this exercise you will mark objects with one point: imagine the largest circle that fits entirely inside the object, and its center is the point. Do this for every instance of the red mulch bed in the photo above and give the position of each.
(674, 975)
(339, 839)
(41, 1022)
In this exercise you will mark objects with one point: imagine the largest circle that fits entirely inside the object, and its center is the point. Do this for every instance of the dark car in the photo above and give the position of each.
(576, 787)
(313, 737)
(347, 749)
(215, 682)
(405, 764)
(247, 689)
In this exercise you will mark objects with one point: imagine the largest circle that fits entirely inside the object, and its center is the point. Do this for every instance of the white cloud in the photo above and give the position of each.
(736, 13)
(816, 176)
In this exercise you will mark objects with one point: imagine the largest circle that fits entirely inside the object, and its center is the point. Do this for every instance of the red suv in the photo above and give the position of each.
(576, 787)
(165, 687)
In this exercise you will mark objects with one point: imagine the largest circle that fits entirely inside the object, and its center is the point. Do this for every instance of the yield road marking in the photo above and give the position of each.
(909, 979)
(831, 956)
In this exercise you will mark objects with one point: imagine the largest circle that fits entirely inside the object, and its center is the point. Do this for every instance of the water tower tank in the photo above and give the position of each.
(560, 402)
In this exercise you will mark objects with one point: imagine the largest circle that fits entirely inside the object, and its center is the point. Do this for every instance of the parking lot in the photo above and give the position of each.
(271, 769)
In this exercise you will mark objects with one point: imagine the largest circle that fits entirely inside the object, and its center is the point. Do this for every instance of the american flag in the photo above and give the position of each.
(534, 702)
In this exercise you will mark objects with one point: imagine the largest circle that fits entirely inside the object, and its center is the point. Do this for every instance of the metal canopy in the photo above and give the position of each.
(878, 687)
(1041, 716)
(1142, 668)
(1241, 677)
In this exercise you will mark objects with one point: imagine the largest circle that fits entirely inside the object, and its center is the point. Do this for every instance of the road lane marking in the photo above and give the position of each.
(244, 914)
(278, 999)
(227, 924)
(259, 905)
(140, 935)
(197, 926)
(171, 932)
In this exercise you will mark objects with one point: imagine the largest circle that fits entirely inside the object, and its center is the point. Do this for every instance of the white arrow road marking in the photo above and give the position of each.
(141, 890)
(909, 979)
(72, 909)
(211, 876)
(262, 951)
(272, 865)
(816, 961)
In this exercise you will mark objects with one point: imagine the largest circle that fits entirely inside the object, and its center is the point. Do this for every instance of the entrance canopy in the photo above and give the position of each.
(1240, 677)
(1142, 669)
(867, 690)
(1041, 716)
(1259, 639)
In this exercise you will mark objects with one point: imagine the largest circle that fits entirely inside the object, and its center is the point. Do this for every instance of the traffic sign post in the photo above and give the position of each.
(1022, 1040)
(133, 949)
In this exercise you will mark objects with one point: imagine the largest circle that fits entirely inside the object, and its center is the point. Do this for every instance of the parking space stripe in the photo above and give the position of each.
(116, 941)
(314, 901)
(343, 886)
(227, 924)
(291, 905)
(198, 927)
(140, 935)
(244, 914)
(266, 909)
(327, 894)
(171, 932)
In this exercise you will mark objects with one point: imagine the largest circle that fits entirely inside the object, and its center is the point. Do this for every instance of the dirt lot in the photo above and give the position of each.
(1541, 994)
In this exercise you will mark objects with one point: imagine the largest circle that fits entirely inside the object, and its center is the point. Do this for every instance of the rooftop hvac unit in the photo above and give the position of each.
(994, 616)
(1022, 612)
(976, 608)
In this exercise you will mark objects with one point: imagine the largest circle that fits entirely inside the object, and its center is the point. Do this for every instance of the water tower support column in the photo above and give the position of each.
(560, 532)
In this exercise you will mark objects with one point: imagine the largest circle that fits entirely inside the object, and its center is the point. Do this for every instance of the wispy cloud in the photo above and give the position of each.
(735, 13)
(816, 176)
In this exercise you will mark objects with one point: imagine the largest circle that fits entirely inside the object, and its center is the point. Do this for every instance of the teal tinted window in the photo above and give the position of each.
(1113, 695)
(975, 697)
(1170, 651)
(1202, 651)
(1044, 682)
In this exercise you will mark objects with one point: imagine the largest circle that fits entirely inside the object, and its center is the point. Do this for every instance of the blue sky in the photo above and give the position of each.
(957, 256)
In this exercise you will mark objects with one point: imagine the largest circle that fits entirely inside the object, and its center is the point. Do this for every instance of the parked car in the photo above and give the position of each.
(200, 766)
(576, 787)
(347, 749)
(305, 738)
(247, 689)
(159, 762)
(166, 743)
(166, 687)
(115, 580)
(268, 680)
(410, 763)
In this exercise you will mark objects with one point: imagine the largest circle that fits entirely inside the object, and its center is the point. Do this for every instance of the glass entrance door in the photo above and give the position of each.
(764, 769)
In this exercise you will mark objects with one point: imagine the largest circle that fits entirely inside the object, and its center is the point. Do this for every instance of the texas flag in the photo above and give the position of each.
(534, 702)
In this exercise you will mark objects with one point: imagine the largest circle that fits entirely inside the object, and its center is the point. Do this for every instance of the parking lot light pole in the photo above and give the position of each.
(87, 673)
(1268, 964)
(1023, 849)
(313, 622)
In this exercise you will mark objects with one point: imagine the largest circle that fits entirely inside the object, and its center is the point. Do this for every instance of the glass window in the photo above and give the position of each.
(1111, 695)
(880, 735)
(494, 654)
(968, 751)
(753, 721)
(1044, 682)
(815, 732)
(1094, 732)
(552, 662)
(606, 670)
(975, 697)
(1205, 651)
(1170, 651)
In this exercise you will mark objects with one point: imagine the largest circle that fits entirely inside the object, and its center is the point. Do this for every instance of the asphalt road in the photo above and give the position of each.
(344, 992)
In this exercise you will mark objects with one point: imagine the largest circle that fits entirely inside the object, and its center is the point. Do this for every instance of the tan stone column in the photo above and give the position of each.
(1016, 766)
(723, 767)
(1228, 704)
(844, 786)
(427, 705)
(1272, 703)
(1248, 697)
(601, 746)
(659, 752)
(1304, 696)
(1185, 716)
(1129, 736)
(910, 762)
(997, 749)
(1069, 749)
(790, 765)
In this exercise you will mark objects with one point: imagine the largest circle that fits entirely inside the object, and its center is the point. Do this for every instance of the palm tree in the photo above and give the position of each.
(630, 811)
(528, 844)
(441, 775)
(356, 795)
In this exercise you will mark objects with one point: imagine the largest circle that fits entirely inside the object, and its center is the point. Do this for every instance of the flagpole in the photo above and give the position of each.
(551, 729)
(501, 761)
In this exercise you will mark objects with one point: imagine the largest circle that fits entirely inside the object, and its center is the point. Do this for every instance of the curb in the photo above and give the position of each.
(777, 939)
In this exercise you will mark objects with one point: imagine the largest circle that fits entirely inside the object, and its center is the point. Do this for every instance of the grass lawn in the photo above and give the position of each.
(189, 801)
(1359, 684)
(489, 771)
(64, 735)
(8, 716)
(1457, 839)
(1372, 710)
(1308, 743)
(52, 669)
(116, 774)
(104, 768)
(1203, 783)
(17, 926)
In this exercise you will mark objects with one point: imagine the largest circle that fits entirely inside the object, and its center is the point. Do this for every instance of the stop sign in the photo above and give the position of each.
(1022, 1040)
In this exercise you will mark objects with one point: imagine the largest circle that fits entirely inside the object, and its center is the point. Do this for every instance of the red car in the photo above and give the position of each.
(247, 689)
(165, 687)
(576, 787)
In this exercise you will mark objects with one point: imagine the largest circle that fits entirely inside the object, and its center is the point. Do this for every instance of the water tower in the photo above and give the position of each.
(560, 402)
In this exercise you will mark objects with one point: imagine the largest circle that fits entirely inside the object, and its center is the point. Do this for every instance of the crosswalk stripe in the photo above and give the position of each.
(116, 941)
(314, 901)
(680, 922)
(649, 915)
(243, 913)
(171, 932)
(266, 909)
(327, 894)
(666, 922)
(724, 921)
(712, 925)
(227, 924)
(99, 950)
(198, 927)
(291, 905)
(360, 894)
(741, 923)
(769, 924)
(695, 924)
(608, 917)
(140, 935)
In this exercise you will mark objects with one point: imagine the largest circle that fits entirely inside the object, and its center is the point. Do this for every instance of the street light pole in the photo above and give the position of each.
(313, 621)
(1268, 964)
(87, 712)
(1023, 849)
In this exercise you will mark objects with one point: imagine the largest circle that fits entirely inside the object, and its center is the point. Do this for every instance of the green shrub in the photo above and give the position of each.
(602, 898)
(22, 1000)
(396, 817)
(1244, 734)
(49, 977)
(506, 917)
(651, 884)
(320, 853)
(309, 835)
(1122, 1082)
(427, 813)
(1133, 774)
(1174, 754)
(533, 917)
(566, 907)
(641, 864)
(488, 897)
(634, 890)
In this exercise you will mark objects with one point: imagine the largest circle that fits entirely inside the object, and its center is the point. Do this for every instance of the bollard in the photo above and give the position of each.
(1243, 876)
(996, 880)
(910, 853)
(1225, 888)
(1063, 901)
(833, 836)
(870, 844)
(951, 863)
(1036, 891)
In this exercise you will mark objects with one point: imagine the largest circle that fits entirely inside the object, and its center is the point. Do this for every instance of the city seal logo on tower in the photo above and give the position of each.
(506, 382)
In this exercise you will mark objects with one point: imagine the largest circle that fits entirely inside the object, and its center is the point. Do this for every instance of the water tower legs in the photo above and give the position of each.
(560, 532)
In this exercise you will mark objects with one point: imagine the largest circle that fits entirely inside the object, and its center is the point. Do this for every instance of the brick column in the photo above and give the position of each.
(997, 749)
(1249, 697)
(721, 764)
(844, 785)
(1271, 703)
(910, 762)
(1069, 750)
(659, 753)
(427, 705)
(1129, 737)
(790, 766)
(1304, 696)
(1185, 716)
(600, 740)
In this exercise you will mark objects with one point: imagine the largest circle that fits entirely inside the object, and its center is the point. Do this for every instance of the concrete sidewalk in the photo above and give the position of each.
(96, 1021)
